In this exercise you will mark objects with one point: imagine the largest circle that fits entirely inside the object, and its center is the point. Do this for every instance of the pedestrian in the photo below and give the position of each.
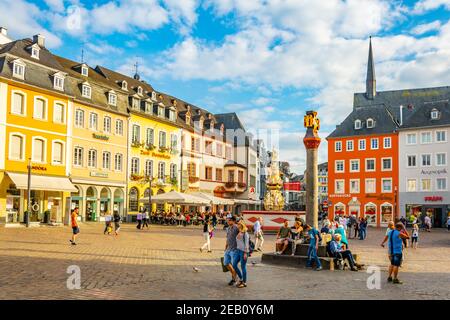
(314, 239)
(362, 229)
(297, 236)
(258, 233)
(415, 236)
(356, 226)
(395, 244)
(74, 224)
(448, 223)
(230, 254)
(139, 220)
(427, 222)
(283, 238)
(390, 227)
(243, 250)
(145, 218)
(207, 229)
(107, 222)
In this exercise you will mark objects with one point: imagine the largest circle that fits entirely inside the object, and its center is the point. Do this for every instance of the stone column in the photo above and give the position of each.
(312, 142)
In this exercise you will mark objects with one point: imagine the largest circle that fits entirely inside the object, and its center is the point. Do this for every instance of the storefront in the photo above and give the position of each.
(370, 213)
(436, 206)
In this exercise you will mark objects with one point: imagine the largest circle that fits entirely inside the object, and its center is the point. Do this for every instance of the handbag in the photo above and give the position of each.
(224, 267)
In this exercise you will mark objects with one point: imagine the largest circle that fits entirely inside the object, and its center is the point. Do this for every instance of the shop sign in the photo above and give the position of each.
(252, 190)
(379, 197)
(155, 154)
(430, 172)
(100, 137)
(99, 174)
(433, 198)
(339, 195)
(38, 168)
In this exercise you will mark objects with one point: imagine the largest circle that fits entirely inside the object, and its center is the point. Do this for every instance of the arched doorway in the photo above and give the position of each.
(76, 201)
(105, 200)
(118, 202)
(91, 204)
(133, 200)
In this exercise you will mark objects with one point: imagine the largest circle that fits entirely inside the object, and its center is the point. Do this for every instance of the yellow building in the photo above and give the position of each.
(34, 102)
(97, 141)
(153, 139)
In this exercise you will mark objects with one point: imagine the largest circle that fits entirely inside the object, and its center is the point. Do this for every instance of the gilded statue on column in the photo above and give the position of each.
(274, 200)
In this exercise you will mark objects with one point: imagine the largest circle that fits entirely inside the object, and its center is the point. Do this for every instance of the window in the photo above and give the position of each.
(40, 109)
(441, 184)
(18, 69)
(58, 83)
(441, 159)
(16, 147)
(118, 160)
(357, 124)
(139, 90)
(208, 147)
(124, 85)
(38, 154)
(350, 145)
(86, 91)
(426, 160)
(84, 71)
(162, 139)
(374, 143)
(173, 171)
(136, 134)
(93, 121)
(35, 53)
(228, 152)
(426, 184)
(386, 185)
(208, 173)
(338, 146)
(119, 127)
(161, 111)
(219, 175)
(18, 104)
(411, 185)
(79, 118)
(150, 137)
(339, 186)
(219, 150)
(106, 160)
(370, 165)
(153, 95)
(172, 115)
(135, 103)
(78, 156)
(135, 166)
(425, 137)
(339, 166)
(434, 114)
(191, 168)
(387, 143)
(412, 162)
(354, 185)
(148, 107)
(112, 99)
(173, 141)
(133, 202)
(161, 170)
(92, 158)
(240, 176)
(362, 144)
(354, 165)
(371, 186)
(58, 113)
(370, 123)
(230, 176)
(441, 136)
(411, 138)
(149, 168)
(386, 164)
(57, 153)
(107, 124)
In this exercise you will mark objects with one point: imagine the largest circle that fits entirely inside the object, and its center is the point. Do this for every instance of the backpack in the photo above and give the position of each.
(251, 246)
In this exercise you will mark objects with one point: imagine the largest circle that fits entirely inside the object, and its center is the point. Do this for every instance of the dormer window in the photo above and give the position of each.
(357, 124)
(18, 69)
(139, 91)
(58, 81)
(112, 98)
(153, 95)
(172, 114)
(148, 107)
(86, 90)
(84, 70)
(200, 123)
(435, 114)
(212, 126)
(161, 111)
(370, 123)
(35, 53)
(135, 103)
(124, 85)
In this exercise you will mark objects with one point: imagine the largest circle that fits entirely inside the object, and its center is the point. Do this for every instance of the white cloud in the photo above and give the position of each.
(55, 5)
(428, 5)
(426, 27)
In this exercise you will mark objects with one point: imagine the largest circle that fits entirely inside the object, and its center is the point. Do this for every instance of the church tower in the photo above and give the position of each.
(371, 82)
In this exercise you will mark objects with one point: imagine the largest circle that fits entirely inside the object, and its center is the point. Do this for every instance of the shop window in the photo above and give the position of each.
(370, 212)
(133, 200)
(386, 213)
(339, 209)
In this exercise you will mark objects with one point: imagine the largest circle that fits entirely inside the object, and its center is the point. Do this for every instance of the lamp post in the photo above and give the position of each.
(150, 178)
(27, 213)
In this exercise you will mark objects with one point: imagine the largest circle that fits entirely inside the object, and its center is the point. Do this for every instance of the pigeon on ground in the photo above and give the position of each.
(195, 269)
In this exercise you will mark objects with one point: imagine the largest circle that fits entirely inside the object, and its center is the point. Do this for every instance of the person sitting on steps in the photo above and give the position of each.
(338, 252)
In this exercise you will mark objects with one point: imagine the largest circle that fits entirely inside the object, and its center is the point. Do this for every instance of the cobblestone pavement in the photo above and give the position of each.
(158, 264)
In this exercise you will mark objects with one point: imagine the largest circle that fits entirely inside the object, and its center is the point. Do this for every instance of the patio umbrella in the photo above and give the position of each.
(213, 199)
(175, 197)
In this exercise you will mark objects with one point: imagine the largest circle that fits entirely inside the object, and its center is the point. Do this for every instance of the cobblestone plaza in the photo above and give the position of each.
(158, 264)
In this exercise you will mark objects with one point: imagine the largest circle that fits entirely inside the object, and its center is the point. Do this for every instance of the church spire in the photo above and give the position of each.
(371, 82)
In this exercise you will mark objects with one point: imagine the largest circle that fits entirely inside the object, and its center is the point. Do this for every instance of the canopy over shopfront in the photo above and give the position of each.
(213, 199)
(44, 183)
(175, 197)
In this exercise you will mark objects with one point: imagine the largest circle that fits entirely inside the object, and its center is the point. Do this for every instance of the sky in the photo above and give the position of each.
(267, 60)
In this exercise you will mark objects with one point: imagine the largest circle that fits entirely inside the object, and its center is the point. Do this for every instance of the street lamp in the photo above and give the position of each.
(150, 178)
(27, 213)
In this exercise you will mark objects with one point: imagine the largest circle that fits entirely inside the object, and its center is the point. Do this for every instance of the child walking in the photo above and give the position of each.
(415, 236)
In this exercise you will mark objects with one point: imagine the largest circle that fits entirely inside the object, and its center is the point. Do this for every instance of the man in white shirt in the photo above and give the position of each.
(257, 231)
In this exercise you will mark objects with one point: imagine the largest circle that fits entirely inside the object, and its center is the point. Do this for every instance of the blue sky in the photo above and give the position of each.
(267, 60)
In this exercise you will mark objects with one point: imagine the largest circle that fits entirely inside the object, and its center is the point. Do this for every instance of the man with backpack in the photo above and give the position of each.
(314, 240)
(396, 251)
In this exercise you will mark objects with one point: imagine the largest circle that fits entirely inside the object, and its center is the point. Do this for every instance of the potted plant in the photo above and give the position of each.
(149, 146)
(242, 185)
(193, 179)
(230, 184)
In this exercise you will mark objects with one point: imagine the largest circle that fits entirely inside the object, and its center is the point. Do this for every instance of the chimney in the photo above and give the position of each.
(401, 115)
(40, 40)
(4, 31)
